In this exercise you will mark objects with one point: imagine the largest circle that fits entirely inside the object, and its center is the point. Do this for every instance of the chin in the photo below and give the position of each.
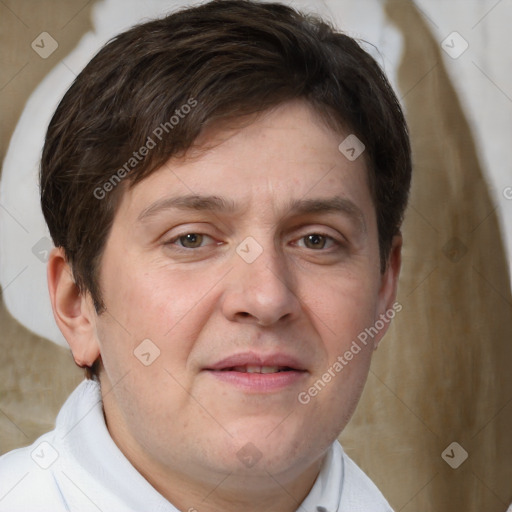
(264, 446)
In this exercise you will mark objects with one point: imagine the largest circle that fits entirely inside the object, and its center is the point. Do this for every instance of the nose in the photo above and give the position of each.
(261, 290)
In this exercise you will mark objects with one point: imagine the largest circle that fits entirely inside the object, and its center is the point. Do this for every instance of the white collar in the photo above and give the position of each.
(97, 465)
(325, 495)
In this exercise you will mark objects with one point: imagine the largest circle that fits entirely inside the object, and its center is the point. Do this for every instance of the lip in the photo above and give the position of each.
(224, 371)
(256, 359)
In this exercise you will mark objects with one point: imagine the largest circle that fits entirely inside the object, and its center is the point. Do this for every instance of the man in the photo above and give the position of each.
(225, 189)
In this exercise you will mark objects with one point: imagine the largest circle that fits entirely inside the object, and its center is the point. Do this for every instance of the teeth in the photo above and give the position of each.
(269, 369)
(256, 369)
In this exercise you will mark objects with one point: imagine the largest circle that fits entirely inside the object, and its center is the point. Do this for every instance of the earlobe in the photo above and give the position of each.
(72, 311)
(387, 307)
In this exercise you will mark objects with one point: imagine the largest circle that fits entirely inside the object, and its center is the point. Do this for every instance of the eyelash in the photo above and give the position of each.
(334, 242)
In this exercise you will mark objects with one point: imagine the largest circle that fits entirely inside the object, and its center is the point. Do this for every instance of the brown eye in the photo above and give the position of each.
(315, 241)
(191, 240)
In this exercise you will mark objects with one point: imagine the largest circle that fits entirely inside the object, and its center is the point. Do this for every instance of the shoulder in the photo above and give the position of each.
(29, 476)
(26, 478)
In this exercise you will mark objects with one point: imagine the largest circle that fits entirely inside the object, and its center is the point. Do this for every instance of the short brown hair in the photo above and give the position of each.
(226, 58)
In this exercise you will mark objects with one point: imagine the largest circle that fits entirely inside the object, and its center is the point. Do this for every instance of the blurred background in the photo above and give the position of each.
(434, 426)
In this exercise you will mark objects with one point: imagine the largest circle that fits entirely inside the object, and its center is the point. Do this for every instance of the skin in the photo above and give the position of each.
(199, 302)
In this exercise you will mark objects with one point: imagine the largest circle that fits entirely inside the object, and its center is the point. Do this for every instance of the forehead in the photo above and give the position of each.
(275, 158)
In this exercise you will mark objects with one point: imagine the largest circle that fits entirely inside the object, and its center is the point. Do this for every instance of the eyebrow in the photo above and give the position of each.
(193, 202)
(189, 202)
(334, 205)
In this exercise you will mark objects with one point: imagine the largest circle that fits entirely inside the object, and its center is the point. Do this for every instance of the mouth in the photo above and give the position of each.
(258, 369)
(258, 373)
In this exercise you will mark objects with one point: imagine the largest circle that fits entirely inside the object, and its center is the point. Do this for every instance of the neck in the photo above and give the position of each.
(232, 493)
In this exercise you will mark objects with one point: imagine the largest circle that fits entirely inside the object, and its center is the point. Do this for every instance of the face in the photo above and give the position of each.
(249, 269)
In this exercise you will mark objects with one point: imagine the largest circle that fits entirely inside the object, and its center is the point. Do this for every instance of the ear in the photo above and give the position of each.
(387, 306)
(73, 312)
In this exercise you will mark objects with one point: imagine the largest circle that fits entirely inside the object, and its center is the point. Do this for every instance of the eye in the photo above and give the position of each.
(317, 241)
(189, 240)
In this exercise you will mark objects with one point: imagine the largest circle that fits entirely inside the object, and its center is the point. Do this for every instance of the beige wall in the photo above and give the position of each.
(35, 375)
(442, 373)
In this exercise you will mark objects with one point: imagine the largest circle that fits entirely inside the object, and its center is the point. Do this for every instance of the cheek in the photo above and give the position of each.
(148, 297)
(341, 309)
(156, 302)
(342, 304)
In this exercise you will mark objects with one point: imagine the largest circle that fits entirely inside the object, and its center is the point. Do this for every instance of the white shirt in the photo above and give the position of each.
(78, 467)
